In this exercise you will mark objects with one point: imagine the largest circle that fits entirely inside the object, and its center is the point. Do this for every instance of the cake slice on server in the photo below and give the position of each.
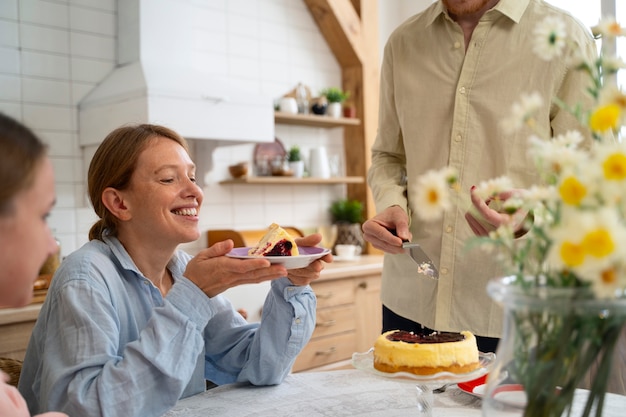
(276, 242)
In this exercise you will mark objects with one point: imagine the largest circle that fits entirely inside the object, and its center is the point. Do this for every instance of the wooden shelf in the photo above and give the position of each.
(313, 120)
(295, 181)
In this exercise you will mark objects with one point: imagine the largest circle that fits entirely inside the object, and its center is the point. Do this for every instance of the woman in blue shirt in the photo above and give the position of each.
(130, 323)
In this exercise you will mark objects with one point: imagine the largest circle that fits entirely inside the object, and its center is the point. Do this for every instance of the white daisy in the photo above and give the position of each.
(550, 38)
(608, 28)
(433, 194)
(557, 155)
(493, 187)
(522, 112)
(612, 65)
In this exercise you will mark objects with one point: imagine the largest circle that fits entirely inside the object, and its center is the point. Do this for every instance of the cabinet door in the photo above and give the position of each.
(369, 315)
(325, 350)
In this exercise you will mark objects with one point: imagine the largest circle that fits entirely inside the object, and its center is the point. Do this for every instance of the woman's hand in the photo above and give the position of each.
(214, 273)
(304, 276)
(484, 219)
(379, 230)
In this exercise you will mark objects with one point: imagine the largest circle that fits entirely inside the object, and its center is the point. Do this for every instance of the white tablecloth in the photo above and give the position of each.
(329, 394)
(341, 393)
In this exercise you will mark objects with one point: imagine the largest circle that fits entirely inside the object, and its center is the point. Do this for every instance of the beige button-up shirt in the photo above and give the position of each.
(442, 105)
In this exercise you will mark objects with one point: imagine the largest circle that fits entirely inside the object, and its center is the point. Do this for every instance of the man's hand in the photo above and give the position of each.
(379, 230)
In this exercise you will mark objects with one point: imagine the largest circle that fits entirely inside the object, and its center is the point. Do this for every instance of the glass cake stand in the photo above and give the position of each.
(425, 384)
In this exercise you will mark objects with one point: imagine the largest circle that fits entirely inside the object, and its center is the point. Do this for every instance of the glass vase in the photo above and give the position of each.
(554, 339)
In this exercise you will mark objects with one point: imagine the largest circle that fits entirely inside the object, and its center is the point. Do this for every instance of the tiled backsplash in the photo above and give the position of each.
(53, 52)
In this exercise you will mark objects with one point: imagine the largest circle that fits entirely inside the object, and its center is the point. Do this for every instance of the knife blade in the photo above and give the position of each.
(425, 265)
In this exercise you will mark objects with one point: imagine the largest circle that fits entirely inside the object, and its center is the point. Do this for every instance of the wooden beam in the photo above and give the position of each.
(340, 25)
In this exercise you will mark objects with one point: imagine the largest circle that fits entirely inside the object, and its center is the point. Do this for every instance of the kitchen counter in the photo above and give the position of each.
(17, 315)
(16, 324)
(364, 264)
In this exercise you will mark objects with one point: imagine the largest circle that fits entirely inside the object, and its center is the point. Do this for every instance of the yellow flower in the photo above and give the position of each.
(614, 167)
(598, 243)
(605, 118)
(572, 191)
(572, 254)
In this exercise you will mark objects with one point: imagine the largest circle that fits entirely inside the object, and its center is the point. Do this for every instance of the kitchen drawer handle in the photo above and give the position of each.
(328, 323)
(328, 351)
(363, 285)
(325, 296)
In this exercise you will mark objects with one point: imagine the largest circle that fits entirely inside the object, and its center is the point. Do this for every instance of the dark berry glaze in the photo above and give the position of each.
(437, 337)
(282, 248)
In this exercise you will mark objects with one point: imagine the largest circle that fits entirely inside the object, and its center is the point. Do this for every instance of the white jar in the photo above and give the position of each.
(318, 163)
(288, 105)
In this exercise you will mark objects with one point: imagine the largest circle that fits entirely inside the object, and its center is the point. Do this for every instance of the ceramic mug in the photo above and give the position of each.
(347, 251)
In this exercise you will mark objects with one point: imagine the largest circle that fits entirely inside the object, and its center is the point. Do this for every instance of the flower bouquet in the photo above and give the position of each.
(565, 298)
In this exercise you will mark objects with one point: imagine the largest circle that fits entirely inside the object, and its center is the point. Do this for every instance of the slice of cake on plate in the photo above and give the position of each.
(276, 242)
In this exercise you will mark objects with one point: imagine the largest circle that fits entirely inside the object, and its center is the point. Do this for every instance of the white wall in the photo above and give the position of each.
(54, 52)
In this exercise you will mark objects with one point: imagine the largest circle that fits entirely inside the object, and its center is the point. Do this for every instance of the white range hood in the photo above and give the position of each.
(145, 87)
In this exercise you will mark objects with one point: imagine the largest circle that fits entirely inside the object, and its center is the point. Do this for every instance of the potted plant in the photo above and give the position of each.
(296, 164)
(335, 96)
(348, 215)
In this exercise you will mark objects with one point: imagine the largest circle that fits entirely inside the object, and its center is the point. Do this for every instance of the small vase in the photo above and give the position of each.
(297, 167)
(334, 110)
(552, 338)
(349, 234)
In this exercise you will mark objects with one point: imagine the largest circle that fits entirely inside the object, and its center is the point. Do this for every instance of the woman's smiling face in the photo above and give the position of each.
(163, 199)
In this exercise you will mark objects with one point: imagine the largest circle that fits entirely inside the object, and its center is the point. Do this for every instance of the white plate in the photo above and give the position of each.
(307, 255)
(365, 362)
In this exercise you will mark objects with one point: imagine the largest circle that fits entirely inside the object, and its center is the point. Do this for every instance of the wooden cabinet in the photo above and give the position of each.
(349, 315)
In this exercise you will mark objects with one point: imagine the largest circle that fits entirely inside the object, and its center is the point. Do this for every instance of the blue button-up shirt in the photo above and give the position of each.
(107, 343)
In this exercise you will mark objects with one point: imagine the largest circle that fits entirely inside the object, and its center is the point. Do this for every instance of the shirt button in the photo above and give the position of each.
(298, 320)
(146, 282)
(457, 44)
(444, 270)
(462, 90)
(458, 138)
(448, 229)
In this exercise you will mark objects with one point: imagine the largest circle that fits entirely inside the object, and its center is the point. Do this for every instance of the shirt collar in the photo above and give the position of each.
(176, 265)
(513, 9)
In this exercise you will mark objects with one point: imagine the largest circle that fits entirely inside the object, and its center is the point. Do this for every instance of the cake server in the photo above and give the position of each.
(424, 264)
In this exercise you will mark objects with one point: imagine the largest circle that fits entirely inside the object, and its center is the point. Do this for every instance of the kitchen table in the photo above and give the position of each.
(337, 393)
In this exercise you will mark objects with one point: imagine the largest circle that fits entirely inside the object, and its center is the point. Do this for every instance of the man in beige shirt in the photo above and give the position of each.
(449, 76)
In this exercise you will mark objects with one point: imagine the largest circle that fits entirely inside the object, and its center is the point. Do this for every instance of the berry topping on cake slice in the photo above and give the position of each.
(276, 242)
